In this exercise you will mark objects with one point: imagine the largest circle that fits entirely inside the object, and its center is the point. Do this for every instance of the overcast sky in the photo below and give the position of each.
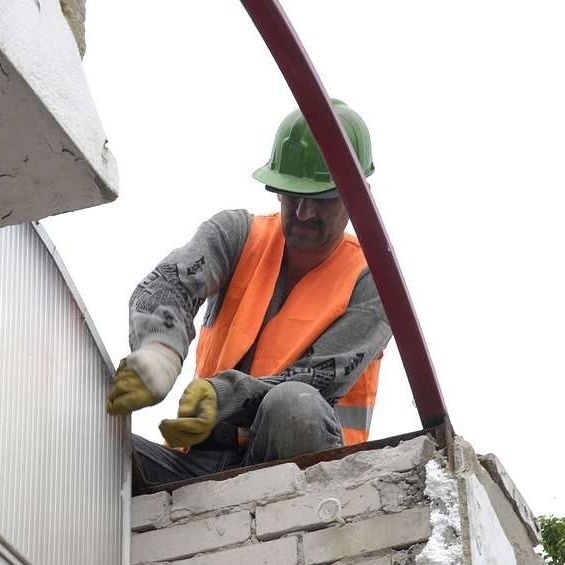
(465, 105)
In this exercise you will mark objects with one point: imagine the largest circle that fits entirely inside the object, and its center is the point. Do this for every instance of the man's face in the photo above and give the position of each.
(313, 224)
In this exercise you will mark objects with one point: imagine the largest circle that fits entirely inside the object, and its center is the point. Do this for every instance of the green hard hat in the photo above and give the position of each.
(297, 164)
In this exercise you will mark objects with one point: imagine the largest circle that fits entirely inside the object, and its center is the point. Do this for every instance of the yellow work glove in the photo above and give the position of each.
(128, 392)
(144, 378)
(197, 415)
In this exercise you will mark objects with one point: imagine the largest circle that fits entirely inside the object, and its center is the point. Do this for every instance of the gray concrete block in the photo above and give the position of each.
(375, 534)
(365, 465)
(185, 540)
(301, 513)
(279, 552)
(150, 511)
(256, 486)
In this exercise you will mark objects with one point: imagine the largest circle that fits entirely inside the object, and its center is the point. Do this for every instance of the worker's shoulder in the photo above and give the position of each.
(231, 221)
(236, 215)
(365, 288)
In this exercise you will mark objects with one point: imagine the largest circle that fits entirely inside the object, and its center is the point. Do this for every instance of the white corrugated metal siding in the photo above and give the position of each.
(62, 462)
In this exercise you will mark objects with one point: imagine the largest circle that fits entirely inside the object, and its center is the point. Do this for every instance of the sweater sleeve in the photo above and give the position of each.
(332, 364)
(164, 304)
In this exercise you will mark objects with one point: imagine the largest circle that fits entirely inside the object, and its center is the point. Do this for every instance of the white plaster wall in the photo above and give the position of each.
(488, 542)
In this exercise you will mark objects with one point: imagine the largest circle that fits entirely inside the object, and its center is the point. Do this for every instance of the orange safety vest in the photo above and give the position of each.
(313, 305)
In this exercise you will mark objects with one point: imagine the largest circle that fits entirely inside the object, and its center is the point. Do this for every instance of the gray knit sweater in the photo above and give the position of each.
(164, 304)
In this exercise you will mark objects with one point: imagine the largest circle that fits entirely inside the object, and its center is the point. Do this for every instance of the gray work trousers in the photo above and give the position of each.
(292, 419)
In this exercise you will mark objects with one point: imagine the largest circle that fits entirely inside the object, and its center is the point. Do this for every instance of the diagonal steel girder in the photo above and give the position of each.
(308, 90)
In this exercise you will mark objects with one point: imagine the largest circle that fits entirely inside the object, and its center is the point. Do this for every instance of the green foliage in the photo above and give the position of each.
(553, 539)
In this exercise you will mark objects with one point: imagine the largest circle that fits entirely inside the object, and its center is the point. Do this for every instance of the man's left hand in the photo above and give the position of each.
(197, 416)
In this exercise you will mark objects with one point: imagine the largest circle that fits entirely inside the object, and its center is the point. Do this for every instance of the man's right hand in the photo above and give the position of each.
(128, 392)
(144, 378)
(197, 416)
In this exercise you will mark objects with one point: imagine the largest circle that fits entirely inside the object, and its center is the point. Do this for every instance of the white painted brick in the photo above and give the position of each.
(279, 552)
(150, 511)
(186, 540)
(381, 532)
(261, 485)
(301, 513)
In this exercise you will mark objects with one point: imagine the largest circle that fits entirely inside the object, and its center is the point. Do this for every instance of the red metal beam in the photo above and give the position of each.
(294, 63)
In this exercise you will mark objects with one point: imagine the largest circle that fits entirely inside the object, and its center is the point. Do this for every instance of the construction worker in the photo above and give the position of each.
(288, 356)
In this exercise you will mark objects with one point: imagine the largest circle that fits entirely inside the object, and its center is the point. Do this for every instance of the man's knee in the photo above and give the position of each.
(295, 401)
(294, 418)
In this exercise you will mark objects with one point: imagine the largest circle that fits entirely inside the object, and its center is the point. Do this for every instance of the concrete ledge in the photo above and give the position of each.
(54, 154)
(499, 475)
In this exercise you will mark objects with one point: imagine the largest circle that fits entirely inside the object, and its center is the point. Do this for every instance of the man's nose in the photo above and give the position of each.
(305, 209)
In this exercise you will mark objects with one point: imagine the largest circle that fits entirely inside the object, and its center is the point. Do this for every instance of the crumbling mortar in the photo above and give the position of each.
(297, 494)
(253, 513)
(214, 551)
(407, 556)
(300, 558)
(185, 516)
(362, 559)
(401, 490)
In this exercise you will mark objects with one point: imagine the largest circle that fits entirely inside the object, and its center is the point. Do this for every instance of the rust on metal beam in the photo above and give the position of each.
(294, 63)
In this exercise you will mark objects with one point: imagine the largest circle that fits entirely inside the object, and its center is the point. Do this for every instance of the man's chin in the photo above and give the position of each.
(304, 244)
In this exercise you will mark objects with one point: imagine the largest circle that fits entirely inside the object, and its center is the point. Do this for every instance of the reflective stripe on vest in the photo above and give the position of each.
(315, 302)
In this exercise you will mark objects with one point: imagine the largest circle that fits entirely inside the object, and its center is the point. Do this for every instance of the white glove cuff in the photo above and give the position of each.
(158, 367)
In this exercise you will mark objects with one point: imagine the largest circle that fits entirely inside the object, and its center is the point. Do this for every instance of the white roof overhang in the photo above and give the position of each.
(53, 151)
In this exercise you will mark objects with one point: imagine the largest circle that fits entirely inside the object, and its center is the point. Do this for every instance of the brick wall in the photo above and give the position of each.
(393, 506)
(282, 515)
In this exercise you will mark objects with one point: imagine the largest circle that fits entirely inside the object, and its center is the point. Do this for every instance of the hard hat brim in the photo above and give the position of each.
(291, 184)
(326, 195)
